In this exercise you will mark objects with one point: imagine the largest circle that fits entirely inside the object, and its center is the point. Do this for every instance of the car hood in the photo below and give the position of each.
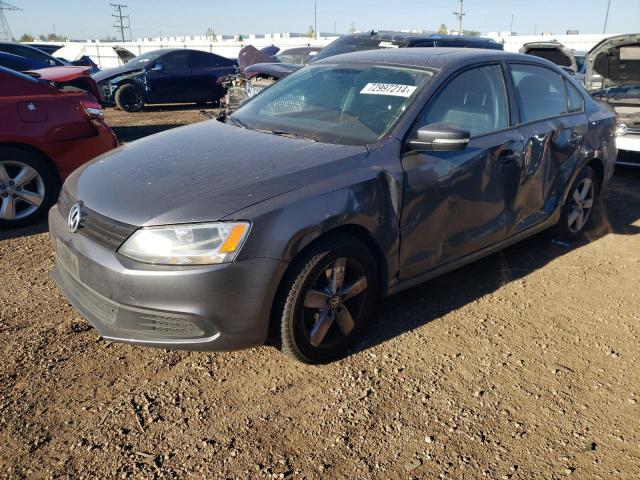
(60, 74)
(250, 55)
(114, 72)
(613, 62)
(199, 173)
(275, 70)
(554, 52)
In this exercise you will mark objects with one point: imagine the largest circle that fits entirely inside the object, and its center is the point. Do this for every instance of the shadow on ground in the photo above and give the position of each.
(41, 227)
(134, 132)
(618, 213)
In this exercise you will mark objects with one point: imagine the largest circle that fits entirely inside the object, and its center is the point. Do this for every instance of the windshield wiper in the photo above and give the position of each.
(236, 122)
(281, 133)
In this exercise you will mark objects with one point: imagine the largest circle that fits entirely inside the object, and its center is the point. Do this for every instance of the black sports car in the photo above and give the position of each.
(164, 76)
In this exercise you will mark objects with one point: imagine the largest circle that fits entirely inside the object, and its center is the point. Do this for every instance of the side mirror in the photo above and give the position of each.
(439, 137)
(157, 67)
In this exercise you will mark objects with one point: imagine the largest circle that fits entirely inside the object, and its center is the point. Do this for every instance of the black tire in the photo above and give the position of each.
(129, 98)
(18, 200)
(568, 227)
(317, 265)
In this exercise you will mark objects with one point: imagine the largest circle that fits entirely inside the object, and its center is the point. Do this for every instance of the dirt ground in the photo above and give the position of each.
(523, 365)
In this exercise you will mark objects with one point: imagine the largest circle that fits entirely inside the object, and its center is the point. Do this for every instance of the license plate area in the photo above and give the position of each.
(67, 259)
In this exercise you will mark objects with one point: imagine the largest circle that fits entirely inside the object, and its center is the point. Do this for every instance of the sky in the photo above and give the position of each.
(83, 19)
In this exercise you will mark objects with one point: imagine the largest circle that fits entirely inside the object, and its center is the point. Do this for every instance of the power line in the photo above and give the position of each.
(459, 14)
(606, 17)
(5, 31)
(121, 19)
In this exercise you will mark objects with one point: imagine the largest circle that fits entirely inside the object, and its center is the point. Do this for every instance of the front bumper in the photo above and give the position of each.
(213, 307)
(628, 142)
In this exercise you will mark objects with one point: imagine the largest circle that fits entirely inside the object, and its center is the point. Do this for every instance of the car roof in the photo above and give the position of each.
(431, 57)
(20, 59)
(408, 37)
(23, 45)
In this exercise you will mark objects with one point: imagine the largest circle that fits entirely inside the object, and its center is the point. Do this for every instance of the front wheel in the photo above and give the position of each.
(129, 98)
(578, 208)
(328, 297)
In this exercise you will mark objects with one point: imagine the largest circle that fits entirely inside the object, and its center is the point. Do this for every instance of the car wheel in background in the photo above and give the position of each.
(27, 187)
(327, 298)
(578, 208)
(129, 98)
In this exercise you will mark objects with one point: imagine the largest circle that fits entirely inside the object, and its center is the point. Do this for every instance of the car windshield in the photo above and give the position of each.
(145, 58)
(351, 43)
(340, 104)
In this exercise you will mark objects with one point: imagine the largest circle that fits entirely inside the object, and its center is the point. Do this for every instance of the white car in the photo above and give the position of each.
(613, 76)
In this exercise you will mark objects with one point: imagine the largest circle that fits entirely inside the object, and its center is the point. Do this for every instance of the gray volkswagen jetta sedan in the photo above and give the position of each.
(354, 178)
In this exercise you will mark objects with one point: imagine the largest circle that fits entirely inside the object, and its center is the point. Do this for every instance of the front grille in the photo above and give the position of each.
(634, 129)
(166, 327)
(104, 230)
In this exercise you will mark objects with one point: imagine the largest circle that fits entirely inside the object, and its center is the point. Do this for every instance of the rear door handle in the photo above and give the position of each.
(576, 138)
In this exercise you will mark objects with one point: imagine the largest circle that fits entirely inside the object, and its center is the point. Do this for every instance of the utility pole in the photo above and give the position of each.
(5, 31)
(459, 14)
(315, 18)
(122, 21)
(511, 27)
(606, 17)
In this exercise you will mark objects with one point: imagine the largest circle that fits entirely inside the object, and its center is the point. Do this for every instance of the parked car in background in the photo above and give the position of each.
(164, 76)
(354, 178)
(259, 72)
(76, 54)
(51, 124)
(31, 53)
(48, 48)
(613, 76)
(297, 56)
(18, 63)
(555, 52)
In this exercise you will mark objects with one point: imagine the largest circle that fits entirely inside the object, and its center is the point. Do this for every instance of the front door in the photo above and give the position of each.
(456, 203)
(169, 78)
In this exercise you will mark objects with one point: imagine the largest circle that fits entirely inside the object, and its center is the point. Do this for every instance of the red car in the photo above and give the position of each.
(50, 124)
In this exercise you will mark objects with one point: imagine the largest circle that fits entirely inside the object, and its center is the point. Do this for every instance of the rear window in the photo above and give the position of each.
(353, 43)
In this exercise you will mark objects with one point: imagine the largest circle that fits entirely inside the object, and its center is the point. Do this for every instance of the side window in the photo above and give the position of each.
(475, 101)
(575, 101)
(175, 60)
(539, 91)
(202, 60)
(425, 43)
(31, 54)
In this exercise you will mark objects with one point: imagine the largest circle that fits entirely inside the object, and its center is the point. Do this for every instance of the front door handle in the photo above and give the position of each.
(576, 138)
(509, 157)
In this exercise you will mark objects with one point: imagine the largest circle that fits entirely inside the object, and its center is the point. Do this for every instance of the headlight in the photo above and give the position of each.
(194, 244)
(622, 129)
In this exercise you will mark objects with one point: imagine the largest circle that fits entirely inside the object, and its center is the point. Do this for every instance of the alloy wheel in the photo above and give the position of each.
(334, 302)
(581, 205)
(22, 190)
(132, 100)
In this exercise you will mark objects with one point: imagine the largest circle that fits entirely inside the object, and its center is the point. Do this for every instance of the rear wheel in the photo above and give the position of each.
(328, 297)
(129, 98)
(578, 208)
(27, 187)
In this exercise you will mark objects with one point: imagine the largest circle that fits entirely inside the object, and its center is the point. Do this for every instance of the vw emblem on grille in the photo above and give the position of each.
(73, 220)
